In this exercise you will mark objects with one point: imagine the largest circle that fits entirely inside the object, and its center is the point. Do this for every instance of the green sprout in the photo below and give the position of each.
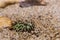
(23, 26)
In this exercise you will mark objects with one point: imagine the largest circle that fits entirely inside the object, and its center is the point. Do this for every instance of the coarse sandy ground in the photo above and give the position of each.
(45, 18)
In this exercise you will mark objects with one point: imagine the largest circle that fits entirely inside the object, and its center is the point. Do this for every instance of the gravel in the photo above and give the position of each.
(45, 18)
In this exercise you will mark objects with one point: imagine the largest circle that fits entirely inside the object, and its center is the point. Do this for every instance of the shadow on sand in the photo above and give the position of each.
(25, 4)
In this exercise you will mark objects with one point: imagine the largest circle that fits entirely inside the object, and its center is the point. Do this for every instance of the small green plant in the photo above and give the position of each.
(23, 26)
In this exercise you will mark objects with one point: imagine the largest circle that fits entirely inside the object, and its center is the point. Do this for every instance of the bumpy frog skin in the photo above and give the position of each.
(4, 3)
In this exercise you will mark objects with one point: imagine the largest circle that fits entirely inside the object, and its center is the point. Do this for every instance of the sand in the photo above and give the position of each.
(46, 20)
